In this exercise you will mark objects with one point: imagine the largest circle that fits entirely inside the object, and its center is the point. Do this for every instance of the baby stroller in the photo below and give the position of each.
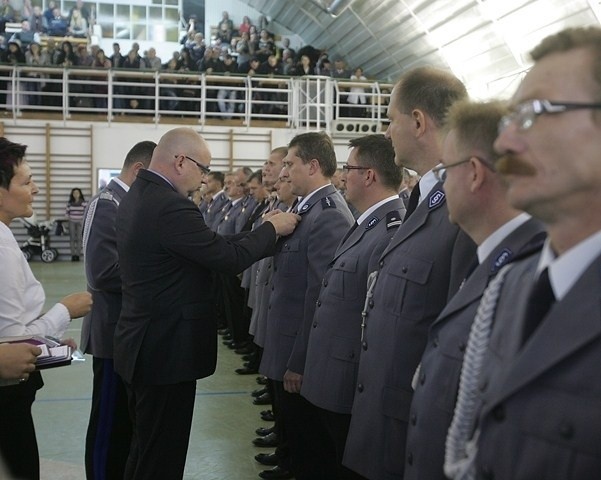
(38, 241)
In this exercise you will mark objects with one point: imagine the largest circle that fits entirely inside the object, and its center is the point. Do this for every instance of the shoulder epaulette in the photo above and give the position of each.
(327, 202)
(393, 219)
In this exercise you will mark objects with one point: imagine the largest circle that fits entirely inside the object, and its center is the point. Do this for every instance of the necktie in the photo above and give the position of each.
(350, 232)
(539, 302)
(413, 201)
(460, 451)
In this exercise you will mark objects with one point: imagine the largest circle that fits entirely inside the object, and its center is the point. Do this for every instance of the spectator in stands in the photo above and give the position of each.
(224, 34)
(245, 25)
(83, 10)
(326, 68)
(34, 56)
(253, 42)
(210, 63)
(269, 68)
(7, 15)
(286, 48)
(356, 95)
(13, 54)
(243, 48)
(288, 66)
(133, 61)
(117, 57)
(152, 61)
(225, 20)
(250, 67)
(197, 48)
(26, 36)
(266, 46)
(37, 20)
(84, 59)
(186, 63)
(262, 24)
(74, 212)
(57, 25)
(78, 25)
(304, 67)
(229, 66)
(101, 89)
(340, 70)
(49, 12)
(168, 87)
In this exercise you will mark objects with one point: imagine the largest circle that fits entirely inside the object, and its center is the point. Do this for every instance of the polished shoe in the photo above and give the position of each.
(276, 473)
(264, 431)
(228, 342)
(268, 417)
(246, 371)
(224, 331)
(258, 392)
(262, 380)
(249, 357)
(227, 337)
(245, 350)
(270, 440)
(237, 345)
(269, 459)
(264, 399)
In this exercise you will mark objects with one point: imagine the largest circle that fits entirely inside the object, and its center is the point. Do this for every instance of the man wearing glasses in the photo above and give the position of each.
(372, 183)
(166, 336)
(417, 273)
(476, 199)
(539, 382)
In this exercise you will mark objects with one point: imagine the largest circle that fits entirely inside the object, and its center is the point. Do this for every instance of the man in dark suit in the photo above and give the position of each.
(299, 266)
(372, 181)
(540, 383)
(166, 336)
(477, 202)
(419, 270)
(109, 428)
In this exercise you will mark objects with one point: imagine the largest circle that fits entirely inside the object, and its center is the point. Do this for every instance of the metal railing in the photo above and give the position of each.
(311, 102)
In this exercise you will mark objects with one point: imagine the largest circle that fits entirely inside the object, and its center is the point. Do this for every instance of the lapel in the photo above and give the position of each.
(435, 199)
(571, 324)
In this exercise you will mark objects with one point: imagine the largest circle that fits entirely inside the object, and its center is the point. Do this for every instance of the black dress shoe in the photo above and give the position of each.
(249, 357)
(228, 342)
(270, 440)
(269, 459)
(276, 472)
(268, 417)
(245, 350)
(258, 392)
(237, 345)
(246, 371)
(262, 380)
(264, 431)
(264, 399)
(227, 337)
(223, 331)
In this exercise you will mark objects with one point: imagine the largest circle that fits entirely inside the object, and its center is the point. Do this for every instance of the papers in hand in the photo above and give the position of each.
(53, 353)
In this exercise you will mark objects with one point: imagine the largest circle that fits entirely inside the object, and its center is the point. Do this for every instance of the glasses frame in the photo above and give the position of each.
(440, 172)
(525, 114)
(348, 167)
(203, 169)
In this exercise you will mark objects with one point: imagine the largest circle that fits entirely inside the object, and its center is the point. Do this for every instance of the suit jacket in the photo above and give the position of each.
(102, 271)
(420, 269)
(335, 339)
(299, 265)
(434, 398)
(212, 213)
(541, 414)
(167, 330)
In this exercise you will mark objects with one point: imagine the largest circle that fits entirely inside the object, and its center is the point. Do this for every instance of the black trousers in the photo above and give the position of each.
(109, 430)
(233, 305)
(18, 444)
(162, 419)
(312, 452)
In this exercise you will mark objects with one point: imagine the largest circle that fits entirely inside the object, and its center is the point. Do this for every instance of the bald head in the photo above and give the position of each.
(179, 156)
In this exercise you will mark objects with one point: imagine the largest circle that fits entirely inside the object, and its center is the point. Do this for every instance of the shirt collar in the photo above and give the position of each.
(374, 207)
(494, 239)
(306, 198)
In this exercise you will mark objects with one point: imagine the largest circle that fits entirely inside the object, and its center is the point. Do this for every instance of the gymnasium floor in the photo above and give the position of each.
(224, 417)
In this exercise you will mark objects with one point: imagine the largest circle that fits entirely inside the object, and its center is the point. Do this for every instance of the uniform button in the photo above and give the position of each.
(410, 458)
(342, 264)
(566, 431)
(315, 325)
(404, 269)
(462, 347)
(498, 413)
(364, 345)
(318, 303)
(422, 378)
(413, 419)
(435, 342)
(272, 288)
(360, 387)
(381, 263)
(325, 283)
(371, 303)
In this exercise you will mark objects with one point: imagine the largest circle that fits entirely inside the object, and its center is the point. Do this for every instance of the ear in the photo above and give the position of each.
(370, 177)
(477, 174)
(419, 122)
(314, 166)
(179, 164)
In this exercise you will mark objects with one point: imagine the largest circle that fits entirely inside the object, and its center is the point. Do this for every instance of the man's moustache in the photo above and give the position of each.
(510, 165)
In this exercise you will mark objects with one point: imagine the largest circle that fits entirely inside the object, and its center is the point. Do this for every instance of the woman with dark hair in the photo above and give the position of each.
(74, 211)
(21, 313)
(66, 57)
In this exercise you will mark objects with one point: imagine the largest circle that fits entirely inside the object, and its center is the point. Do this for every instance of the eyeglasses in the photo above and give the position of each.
(203, 169)
(525, 114)
(440, 172)
(348, 167)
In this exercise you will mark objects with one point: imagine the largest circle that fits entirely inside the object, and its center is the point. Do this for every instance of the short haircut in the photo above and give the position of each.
(11, 156)
(218, 176)
(476, 125)
(431, 90)
(258, 176)
(247, 171)
(316, 145)
(376, 152)
(282, 151)
(140, 152)
(569, 39)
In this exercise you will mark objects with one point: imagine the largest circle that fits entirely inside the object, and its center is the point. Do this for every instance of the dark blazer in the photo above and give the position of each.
(102, 272)
(298, 268)
(434, 398)
(167, 330)
(541, 413)
(335, 338)
(420, 269)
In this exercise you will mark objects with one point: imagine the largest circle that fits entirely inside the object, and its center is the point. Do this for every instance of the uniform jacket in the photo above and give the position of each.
(434, 399)
(299, 265)
(541, 414)
(102, 272)
(227, 224)
(167, 330)
(420, 269)
(335, 337)
(212, 212)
